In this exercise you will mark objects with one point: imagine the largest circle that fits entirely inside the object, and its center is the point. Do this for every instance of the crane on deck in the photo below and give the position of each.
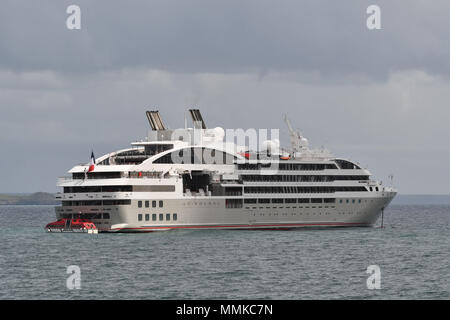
(298, 142)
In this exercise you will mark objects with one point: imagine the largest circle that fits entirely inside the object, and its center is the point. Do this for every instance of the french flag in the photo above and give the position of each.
(92, 164)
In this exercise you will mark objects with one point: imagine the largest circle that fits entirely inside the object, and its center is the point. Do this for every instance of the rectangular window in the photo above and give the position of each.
(277, 200)
(106, 215)
(316, 200)
(233, 203)
(160, 203)
(153, 188)
(116, 202)
(139, 204)
(161, 217)
(168, 216)
(139, 217)
(147, 217)
(175, 217)
(154, 204)
(147, 204)
(154, 217)
(303, 200)
(290, 200)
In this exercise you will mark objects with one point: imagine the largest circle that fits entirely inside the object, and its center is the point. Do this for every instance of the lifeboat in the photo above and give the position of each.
(72, 225)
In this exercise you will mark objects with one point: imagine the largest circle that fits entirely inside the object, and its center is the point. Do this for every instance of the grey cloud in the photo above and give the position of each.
(327, 37)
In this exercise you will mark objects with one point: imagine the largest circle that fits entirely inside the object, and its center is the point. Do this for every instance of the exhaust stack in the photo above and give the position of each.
(197, 118)
(155, 120)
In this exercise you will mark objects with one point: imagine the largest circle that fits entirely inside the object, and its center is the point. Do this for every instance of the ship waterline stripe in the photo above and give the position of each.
(254, 226)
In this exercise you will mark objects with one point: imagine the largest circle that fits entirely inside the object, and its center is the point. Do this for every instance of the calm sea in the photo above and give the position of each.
(412, 252)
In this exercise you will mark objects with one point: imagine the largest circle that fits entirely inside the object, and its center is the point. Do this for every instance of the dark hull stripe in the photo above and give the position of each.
(246, 226)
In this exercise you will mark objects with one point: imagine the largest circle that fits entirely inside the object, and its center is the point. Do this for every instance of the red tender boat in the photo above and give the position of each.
(72, 225)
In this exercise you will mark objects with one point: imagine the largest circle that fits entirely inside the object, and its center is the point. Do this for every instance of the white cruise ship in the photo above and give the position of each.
(191, 178)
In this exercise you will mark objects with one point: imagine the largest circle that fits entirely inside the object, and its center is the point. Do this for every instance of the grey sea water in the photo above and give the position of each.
(412, 252)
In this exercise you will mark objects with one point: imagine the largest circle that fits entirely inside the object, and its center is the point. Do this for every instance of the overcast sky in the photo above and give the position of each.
(380, 97)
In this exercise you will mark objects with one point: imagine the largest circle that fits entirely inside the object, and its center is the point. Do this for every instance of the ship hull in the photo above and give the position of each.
(200, 213)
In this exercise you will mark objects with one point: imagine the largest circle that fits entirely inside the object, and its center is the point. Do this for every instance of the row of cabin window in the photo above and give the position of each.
(163, 188)
(115, 175)
(292, 189)
(302, 178)
(96, 203)
(147, 204)
(85, 216)
(302, 200)
(348, 201)
(154, 216)
(288, 166)
(98, 189)
(97, 175)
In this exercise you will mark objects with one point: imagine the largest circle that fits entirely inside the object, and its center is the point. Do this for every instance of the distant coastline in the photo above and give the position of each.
(45, 198)
(37, 198)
